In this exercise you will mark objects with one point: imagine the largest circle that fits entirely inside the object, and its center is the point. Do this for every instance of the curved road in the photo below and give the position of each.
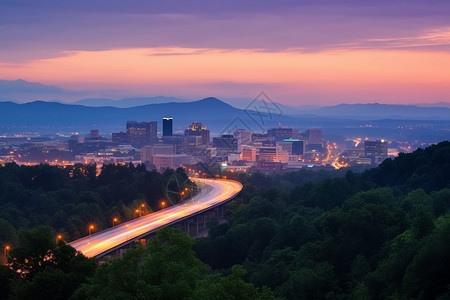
(216, 192)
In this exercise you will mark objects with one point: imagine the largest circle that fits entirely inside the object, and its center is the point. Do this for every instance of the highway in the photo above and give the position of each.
(216, 192)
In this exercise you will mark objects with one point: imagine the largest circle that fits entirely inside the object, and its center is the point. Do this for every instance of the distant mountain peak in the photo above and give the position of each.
(211, 99)
(214, 102)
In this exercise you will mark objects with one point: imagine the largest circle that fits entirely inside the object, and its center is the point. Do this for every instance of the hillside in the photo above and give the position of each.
(383, 234)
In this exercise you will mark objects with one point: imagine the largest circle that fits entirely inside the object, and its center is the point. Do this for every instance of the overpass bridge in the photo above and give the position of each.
(190, 216)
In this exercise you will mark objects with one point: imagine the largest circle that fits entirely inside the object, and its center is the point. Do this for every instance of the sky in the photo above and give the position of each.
(298, 52)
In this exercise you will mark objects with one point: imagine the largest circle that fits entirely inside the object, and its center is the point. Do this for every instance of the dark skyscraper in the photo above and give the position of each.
(167, 126)
(141, 133)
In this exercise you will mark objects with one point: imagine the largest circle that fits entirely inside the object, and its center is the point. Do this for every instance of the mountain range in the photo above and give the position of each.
(374, 111)
(110, 115)
(51, 117)
(48, 116)
(127, 102)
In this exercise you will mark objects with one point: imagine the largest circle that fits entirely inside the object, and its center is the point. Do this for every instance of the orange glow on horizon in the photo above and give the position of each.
(400, 73)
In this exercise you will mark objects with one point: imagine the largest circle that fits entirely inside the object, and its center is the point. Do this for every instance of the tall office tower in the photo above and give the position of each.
(197, 129)
(314, 136)
(278, 134)
(141, 133)
(244, 137)
(167, 126)
(375, 148)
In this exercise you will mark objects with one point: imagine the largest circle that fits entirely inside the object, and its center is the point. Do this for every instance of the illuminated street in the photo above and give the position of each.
(215, 192)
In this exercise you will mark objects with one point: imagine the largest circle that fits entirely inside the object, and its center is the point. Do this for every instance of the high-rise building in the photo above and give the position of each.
(141, 133)
(244, 137)
(167, 126)
(278, 134)
(314, 136)
(375, 148)
(198, 129)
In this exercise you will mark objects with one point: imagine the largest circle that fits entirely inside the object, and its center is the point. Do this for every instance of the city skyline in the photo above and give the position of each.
(298, 52)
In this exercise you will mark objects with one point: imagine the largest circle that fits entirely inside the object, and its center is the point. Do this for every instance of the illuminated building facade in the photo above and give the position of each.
(141, 133)
(198, 129)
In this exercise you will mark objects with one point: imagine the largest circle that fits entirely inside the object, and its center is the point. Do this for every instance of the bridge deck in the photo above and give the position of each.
(219, 192)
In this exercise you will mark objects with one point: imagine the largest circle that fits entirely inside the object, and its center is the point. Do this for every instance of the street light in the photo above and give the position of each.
(140, 209)
(6, 254)
(163, 204)
(135, 212)
(90, 231)
(58, 237)
(114, 221)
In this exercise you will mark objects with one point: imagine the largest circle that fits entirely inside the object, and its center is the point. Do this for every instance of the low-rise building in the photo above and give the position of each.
(172, 161)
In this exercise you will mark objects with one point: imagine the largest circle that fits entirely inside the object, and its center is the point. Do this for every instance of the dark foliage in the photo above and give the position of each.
(381, 234)
(70, 199)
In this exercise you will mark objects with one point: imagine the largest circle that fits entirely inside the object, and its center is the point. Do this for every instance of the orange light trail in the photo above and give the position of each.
(215, 192)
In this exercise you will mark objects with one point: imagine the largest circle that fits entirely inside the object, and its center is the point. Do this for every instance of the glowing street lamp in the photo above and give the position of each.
(90, 231)
(6, 254)
(140, 209)
(114, 221)
(58, 237)
(135, 212)
(163, 204)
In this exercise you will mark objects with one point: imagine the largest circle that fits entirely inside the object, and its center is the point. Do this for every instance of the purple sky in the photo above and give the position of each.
(36, 30)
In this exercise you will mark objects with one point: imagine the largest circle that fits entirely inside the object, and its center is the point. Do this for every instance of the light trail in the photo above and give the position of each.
(216, 192)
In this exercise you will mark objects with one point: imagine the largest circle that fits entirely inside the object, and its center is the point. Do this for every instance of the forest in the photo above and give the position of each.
(380, 234)
(70, 199)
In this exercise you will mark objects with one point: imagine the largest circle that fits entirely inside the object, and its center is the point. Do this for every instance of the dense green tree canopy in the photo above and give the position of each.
(311, 234)
(381, 234)
(166, 269)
